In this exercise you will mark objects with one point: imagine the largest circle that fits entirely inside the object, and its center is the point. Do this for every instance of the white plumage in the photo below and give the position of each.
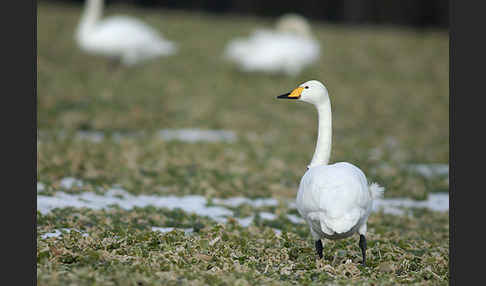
(288, 49)
(335, 200)
(119, 37)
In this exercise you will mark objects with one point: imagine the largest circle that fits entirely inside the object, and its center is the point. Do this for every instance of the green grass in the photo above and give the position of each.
(389, 93)
(121, 250)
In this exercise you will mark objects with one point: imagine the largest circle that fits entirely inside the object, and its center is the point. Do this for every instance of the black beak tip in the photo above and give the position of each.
(284, 95)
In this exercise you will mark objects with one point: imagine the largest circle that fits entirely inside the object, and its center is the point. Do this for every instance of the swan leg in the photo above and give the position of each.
(362, 245)
(319, 248)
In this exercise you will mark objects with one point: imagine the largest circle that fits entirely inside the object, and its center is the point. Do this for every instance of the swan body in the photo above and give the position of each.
(120, 37)
(288, 49)
(334, 199)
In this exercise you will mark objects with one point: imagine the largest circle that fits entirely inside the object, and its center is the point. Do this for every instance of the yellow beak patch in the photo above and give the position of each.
(296, 92)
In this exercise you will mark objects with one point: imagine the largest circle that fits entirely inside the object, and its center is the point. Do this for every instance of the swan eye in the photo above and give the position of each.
(306, 87)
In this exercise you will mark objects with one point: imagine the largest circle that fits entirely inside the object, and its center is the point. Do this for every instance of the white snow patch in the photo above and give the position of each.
(238, 201)
(40, 187)
(429, 170)
(169, 229)
(246, 221)
(120, 197)
(267, 216)
(68, 183)
(92, 136)
(199, 205)
(58, 233)
(197, 135)
(190, 135)
(277, 231)
(436, 202)
(292, 204)
(295, 219)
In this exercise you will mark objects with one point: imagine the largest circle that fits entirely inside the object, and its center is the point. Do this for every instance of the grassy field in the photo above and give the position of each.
(389, 92)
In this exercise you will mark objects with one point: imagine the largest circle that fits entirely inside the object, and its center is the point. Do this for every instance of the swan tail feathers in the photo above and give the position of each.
(376, 191)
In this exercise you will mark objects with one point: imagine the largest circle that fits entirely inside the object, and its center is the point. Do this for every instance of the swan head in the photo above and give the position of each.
(295, 24)
(312, 91)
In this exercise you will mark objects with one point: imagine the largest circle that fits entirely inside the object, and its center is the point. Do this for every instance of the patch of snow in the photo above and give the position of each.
(40, 187)
(169, 229)
(58, 233)
(292, 204)
(238, 201)
(429, 170)
(197, 135)
(198, 205)
(426, 170)
(436, 202)
(162, 229)
(190, 135)
(295, 219)
(190, 204)
(277, 231)
(268, 216)
(246, 221)
(68, 183)
(92, 136)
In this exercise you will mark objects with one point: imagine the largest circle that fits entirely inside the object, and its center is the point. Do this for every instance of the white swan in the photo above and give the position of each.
(288, 49)
(119, 37)
(335, 200)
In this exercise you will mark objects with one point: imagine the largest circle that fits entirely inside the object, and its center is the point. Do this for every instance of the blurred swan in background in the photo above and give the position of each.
(122, 38)
(287, 49)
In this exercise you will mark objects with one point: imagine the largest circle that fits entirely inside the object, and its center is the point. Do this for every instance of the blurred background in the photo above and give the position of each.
(385, 64)
(415, 13)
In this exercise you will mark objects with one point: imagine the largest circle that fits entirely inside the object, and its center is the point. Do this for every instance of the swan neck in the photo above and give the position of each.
(93, 11)
(322, 152)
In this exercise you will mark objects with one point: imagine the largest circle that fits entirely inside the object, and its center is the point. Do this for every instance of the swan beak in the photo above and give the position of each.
(295, 94)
